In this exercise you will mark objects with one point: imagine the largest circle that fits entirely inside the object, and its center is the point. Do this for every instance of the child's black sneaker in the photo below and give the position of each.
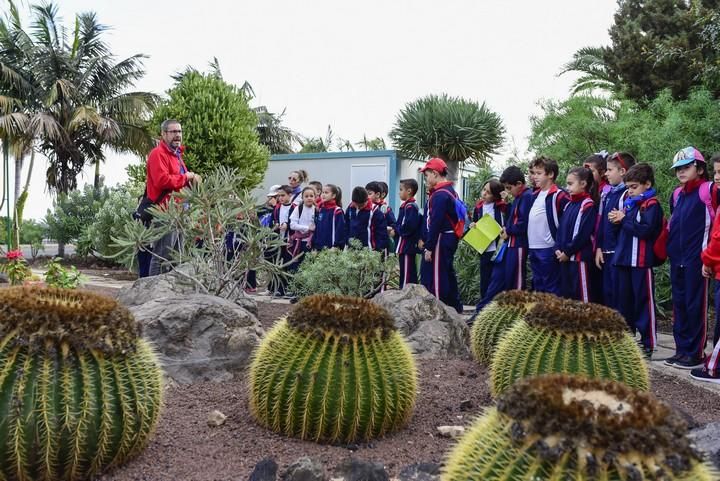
(687, 362)
(648, 352)
(704, 375)
(672, 359)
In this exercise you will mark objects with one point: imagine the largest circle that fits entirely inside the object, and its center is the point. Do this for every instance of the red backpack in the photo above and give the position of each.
(660, 245)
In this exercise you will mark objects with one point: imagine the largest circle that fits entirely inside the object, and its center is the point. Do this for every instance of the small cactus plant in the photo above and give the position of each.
(335, 370)
(560, 427)
(498, 317)
(571, 337)
(80, 391)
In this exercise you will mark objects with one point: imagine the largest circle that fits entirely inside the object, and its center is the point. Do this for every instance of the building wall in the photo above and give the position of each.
(345, 169)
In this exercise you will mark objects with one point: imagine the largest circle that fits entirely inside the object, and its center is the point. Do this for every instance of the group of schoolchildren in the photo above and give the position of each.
(598, 239)
(312, 218)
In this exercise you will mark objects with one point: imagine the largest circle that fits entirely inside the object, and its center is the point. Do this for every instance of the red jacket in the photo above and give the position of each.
(163, 172)
(711, 255)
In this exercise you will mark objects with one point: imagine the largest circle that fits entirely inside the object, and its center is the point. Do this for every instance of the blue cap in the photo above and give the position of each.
(686, 156)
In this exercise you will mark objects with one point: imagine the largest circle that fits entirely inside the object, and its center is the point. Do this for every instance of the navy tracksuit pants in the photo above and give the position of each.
(545, 270)
(496, 286)
(596, 284)
(408, 269)
(575, 280)
(635, 299)
(486, 270)
(609, 282)
(438, 276)
(516, 268)
(144, 258)
(689, 299)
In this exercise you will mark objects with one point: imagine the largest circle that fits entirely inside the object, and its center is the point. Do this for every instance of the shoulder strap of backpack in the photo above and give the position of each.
(706, 196)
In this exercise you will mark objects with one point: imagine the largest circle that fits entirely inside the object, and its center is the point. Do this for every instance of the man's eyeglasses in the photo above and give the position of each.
(174, 132)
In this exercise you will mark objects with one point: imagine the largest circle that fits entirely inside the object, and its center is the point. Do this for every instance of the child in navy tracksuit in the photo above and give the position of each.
(692, 207)
(491, 204)
(407, 232)
(607, 232)
(281, 225)
(365, 222)
(574, 247)
(377, 192)
(330, 230)
(549, 201)
(640, 222)
(597, 163)
(441, 238)
(515, 231)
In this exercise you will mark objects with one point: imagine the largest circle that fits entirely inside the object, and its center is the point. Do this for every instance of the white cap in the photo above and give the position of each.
(273, 190)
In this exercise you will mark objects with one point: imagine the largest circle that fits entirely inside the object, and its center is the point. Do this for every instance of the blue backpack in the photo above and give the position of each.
(461, 212)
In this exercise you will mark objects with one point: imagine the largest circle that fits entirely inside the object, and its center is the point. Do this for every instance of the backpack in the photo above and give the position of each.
(705, 197)
(660, 245)
(141, 212)
(461, 212)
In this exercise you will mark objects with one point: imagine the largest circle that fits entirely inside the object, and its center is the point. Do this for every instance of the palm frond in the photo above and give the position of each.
(14, 124)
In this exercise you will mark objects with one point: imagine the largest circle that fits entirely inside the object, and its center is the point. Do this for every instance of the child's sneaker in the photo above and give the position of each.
(251, 290)
(648, 352)
(704, 375)
(688, 363)
(672, 359)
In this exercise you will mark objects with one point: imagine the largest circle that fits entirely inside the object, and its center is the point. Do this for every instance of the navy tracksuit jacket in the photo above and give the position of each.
(575, 239)
(408, 229)
(330, 230)
(367, 225)
(517, 242)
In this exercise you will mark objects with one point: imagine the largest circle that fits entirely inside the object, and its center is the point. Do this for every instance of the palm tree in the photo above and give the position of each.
(72, 92)
(590, 63)
(69, 94)
(454, 129)
(378, 143)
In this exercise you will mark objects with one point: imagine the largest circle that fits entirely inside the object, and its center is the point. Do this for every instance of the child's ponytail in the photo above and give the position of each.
(585, 174)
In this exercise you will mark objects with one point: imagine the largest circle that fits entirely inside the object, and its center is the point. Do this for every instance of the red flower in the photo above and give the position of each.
(12, 255)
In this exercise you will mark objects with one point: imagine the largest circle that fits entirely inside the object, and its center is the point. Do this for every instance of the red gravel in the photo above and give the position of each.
(185, 447)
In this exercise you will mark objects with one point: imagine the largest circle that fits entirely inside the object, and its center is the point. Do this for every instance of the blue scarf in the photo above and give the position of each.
(617, 188)
(631, 201)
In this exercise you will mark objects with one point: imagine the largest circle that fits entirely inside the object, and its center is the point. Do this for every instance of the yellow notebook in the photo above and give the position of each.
(486, 230)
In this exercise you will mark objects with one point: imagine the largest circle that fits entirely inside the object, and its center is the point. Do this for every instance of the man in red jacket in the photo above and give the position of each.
(166, 173)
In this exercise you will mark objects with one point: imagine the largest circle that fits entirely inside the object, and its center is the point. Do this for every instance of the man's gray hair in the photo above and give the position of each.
(167, 123)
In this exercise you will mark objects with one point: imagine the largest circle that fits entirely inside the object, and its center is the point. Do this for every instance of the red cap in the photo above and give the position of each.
(437, 164)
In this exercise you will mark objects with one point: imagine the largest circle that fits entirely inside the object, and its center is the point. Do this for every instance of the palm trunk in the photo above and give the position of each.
(96, 182)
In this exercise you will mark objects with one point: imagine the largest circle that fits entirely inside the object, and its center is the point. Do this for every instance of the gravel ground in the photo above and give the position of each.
(186, 448)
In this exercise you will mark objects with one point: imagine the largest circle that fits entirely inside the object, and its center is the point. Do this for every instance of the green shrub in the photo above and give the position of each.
(356, 271)
(80, 389)
(60, 277)
(116, 211)
(572, 428)
(73, 212)
(336, 370)
(467, 266)
(571, 337)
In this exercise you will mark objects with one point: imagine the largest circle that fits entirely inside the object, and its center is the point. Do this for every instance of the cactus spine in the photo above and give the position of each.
(495, 319)
(79, 390)
(561, 427)
(335, 370)
(569, 337)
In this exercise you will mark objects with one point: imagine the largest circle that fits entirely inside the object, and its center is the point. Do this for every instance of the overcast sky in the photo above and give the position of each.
(350, 64)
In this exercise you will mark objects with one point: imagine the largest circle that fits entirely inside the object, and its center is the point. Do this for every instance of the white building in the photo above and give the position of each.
(350, 169)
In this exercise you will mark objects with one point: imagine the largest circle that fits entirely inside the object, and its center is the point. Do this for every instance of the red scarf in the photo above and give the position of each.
(328, 204)
(693, 185)
(579, 197)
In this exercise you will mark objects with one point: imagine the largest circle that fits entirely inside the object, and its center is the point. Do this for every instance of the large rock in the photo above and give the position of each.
(171, 285)
(707, 439)
(200, 337)
(433, 329)
(304, 469)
